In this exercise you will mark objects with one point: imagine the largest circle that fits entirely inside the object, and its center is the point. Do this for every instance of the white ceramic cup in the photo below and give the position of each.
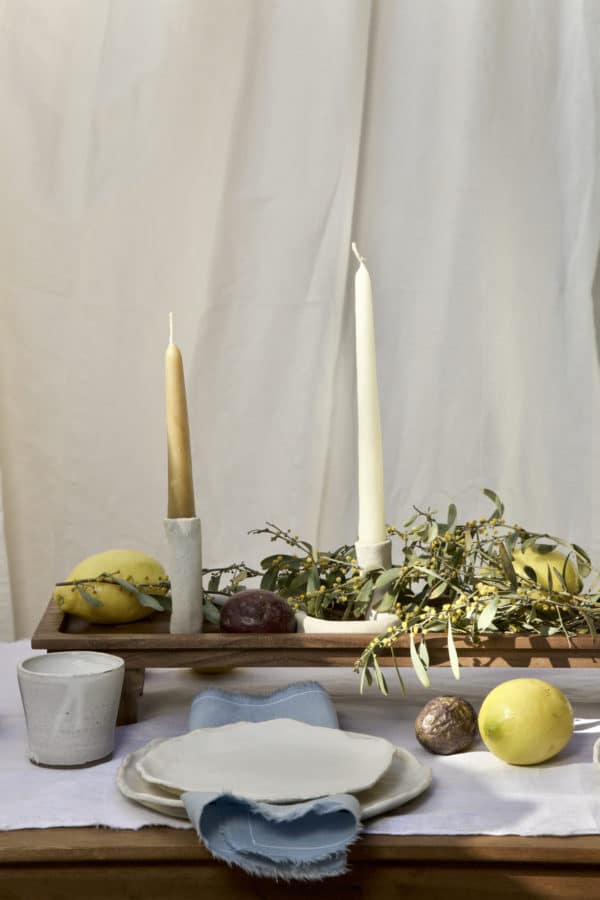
(71, 700)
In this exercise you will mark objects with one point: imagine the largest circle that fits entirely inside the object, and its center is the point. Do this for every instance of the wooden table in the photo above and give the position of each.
(153, 863)
(95, 864)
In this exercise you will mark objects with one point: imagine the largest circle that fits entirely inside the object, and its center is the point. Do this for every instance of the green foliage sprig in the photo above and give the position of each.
(156, 596)
(456, 578)
(465, 579)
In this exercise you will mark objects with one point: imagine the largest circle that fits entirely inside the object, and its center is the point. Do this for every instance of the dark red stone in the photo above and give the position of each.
(257, 612)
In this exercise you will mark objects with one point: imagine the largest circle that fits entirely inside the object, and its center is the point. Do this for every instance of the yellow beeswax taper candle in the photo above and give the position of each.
(181, 483)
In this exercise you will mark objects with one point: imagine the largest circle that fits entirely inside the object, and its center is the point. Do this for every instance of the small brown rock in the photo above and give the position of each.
(446, 725)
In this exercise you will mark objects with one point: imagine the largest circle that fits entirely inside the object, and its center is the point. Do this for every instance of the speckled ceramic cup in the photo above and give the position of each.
(71, 701)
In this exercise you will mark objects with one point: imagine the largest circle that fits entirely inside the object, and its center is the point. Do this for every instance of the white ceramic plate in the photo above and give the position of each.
(279, 761)
(405, 779)
(132, 785)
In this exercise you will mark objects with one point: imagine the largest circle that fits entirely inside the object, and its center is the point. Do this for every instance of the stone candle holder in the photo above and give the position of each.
(184, 537)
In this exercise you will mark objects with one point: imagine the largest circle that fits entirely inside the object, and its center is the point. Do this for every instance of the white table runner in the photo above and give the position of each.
(472, 792)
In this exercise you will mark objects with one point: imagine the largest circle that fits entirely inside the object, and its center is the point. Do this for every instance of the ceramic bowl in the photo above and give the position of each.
(311, 625)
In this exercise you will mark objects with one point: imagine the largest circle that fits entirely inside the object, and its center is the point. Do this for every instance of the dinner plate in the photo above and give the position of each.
(278, 761)
(132, 785)
(405, 779)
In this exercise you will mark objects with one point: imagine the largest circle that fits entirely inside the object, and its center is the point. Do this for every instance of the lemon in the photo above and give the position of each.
(539, 562)
(525, 721)
(118, 604)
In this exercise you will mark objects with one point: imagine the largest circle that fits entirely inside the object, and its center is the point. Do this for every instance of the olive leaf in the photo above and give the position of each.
(365, 676)
(434, 530)
(584, 563)
(589, 621)
(387, 577)
(452, 654)
(498, 504)
(269, 580)
(439, 590)
(213, 583)
(93, 601)
(313, 581)
(386, 603)
(364, 595)
(487, 614)
(420, 670)
(143, 599)
(211, 612)
(507, 565)
(452, 513)
(398, 673)
(379, 677)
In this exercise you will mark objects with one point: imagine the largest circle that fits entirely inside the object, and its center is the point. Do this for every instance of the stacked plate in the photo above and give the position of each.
(277, 761)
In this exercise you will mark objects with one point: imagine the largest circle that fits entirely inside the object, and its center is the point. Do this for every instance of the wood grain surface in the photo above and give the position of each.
(152, 863)
(149, 644)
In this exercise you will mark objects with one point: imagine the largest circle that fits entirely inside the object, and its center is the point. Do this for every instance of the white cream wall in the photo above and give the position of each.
(215, 159)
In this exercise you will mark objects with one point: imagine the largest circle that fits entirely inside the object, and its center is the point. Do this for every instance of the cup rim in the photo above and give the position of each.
(111, 661)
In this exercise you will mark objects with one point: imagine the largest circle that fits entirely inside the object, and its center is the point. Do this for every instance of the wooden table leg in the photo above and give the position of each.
(133, 686)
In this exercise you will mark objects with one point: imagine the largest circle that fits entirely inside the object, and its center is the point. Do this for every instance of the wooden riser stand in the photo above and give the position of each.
(148, 644)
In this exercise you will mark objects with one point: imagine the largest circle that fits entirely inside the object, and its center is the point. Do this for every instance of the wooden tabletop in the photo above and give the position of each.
(157, 862)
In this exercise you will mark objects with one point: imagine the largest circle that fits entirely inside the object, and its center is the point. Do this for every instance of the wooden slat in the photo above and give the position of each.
(364, 881)
(160, 844)
(155, 863)
(148, 643)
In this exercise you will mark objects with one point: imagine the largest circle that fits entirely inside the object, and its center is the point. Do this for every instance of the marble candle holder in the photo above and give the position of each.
(184, 538)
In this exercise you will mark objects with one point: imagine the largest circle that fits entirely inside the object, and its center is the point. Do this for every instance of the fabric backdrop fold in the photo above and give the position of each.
(216, 159)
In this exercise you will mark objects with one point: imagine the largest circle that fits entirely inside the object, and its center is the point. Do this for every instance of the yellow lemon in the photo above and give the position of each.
(118, 604)
(525, 721)
(530, 558)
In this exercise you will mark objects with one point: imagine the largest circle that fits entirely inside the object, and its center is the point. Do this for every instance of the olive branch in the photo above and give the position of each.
(471, 578)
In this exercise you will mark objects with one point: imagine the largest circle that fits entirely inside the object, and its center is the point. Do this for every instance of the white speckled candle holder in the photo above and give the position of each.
(374, 556)
(184, 537)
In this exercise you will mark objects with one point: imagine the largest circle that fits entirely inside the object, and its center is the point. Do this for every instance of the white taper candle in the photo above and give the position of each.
(371, 514)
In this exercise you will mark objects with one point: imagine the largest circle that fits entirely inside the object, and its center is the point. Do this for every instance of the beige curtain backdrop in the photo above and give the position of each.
(216, 159)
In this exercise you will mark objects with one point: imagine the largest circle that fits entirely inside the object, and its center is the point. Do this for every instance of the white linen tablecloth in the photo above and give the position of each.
(472, 792)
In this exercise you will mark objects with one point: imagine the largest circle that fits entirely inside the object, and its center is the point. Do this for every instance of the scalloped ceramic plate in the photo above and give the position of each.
(405, 779)
(278, 761)
(132, 785)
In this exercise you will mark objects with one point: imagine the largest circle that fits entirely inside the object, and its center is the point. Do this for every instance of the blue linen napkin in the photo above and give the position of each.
(306, 701)
(305, 841)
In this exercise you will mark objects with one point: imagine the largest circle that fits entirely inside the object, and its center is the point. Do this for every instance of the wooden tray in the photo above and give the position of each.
(148, 644)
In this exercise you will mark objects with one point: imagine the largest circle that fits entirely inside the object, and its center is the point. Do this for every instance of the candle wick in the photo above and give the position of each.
(360, 258)
(170, 327)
